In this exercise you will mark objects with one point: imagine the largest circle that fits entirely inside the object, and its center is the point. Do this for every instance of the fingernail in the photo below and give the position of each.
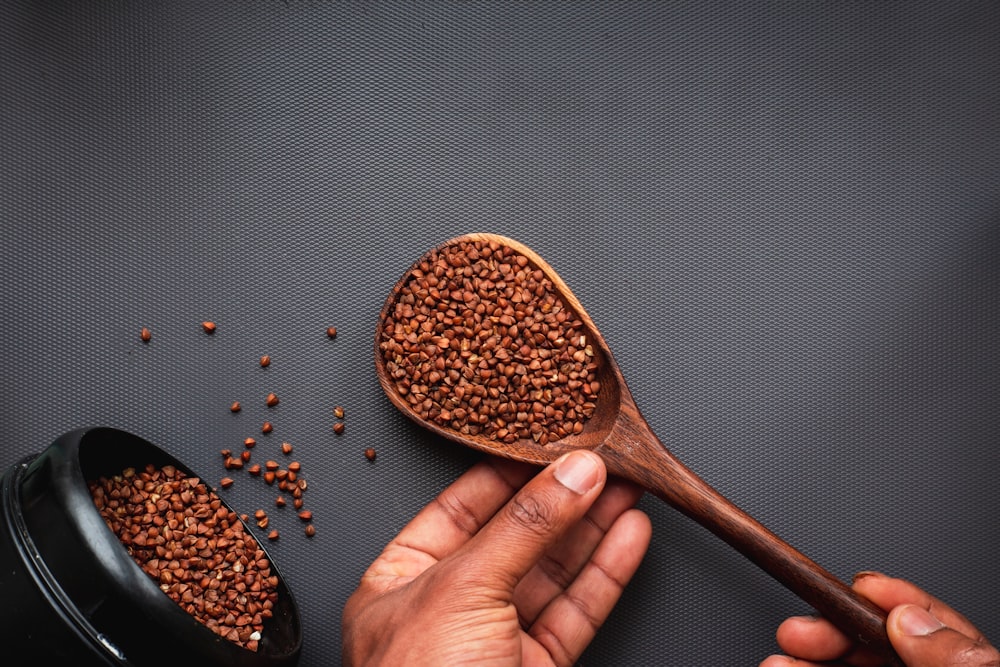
(577, 471)
(864, 574)
(916, 621)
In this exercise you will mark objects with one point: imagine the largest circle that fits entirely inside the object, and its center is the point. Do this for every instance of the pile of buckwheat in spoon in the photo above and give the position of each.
(480, 342)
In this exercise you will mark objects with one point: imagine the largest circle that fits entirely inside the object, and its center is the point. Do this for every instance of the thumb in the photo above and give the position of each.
(921, 640)
(535, 519)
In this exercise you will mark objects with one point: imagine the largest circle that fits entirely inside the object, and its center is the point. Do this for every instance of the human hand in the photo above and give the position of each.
(491, 573)
(924, 631)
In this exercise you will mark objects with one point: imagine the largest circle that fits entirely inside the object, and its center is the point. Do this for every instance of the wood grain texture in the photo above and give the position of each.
(630, 449)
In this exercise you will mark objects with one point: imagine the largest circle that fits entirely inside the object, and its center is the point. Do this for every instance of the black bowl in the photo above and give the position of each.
(70, 590)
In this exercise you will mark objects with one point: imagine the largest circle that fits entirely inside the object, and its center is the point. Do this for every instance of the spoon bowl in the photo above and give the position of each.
(617, 431)
(609, 403)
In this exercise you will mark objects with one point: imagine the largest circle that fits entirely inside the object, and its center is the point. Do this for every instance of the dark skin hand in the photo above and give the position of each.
(924, 631)
(508, 566)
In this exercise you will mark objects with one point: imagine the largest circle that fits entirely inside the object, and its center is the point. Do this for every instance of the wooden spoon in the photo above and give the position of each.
(619, 433)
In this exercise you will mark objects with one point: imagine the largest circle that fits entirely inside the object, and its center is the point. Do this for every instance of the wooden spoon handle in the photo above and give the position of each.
(663, 475)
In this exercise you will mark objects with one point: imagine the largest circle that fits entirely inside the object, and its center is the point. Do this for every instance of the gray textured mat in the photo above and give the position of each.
(785, 217)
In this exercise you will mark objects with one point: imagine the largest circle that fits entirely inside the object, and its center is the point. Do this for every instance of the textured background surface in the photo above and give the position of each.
(784, 217)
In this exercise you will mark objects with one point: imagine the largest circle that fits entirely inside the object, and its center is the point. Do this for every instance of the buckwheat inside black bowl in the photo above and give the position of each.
(115, 553)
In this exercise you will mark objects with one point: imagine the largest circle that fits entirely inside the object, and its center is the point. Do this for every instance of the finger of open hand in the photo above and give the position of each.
(557, 569)
(463, 508)
(567, 625)
(535, 519)
(446, 523)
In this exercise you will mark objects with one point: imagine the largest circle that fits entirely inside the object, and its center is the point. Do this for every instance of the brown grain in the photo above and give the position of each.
(193, 547)
(479, 341)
